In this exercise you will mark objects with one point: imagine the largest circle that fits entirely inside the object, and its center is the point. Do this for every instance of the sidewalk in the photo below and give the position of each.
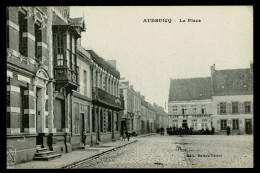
(70, 159)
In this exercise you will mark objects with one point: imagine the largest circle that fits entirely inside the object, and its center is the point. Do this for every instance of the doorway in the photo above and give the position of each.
(248, 124)
(184, 124)
(39, 110)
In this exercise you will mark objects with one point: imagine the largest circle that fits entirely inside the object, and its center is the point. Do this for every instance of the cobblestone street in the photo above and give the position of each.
(180, 152)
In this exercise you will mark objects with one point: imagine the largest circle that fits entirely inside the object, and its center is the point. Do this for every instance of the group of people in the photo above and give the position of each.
(185, 131)
(124, 134)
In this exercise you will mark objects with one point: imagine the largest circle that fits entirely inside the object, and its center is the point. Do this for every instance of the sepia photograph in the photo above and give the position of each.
(95, 87)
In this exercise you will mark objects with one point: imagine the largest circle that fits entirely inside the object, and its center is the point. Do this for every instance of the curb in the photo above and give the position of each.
(75, 163)
(146, 135)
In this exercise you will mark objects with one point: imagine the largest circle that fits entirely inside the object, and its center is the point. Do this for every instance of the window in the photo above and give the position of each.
(87, 119)
(223, 107)
(100, 80)
(76, 118)
(247, 107)
(235, 124)
(85, 82)
(223, 124)
(73, 61)
(46, 105)
(22, 29)
(194, 109)
(204, 124)
(175, 110)
(194, 124)
(184, 110)
(175, 123)
(203, 109)
(59, 50)
(38, 39)
(234, 107)
(68, 51)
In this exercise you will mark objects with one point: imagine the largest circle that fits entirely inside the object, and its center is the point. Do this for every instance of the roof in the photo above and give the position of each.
(78, 22)
(232, 82)
(103, 63)
(190, 89)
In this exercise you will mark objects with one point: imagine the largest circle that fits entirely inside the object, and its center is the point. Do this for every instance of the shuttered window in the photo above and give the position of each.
(223, 108)
(234, 107)
(247, 107)
(229, 108)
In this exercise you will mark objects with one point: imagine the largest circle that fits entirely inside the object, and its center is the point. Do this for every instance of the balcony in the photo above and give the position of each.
(66, 78)
(102, 97)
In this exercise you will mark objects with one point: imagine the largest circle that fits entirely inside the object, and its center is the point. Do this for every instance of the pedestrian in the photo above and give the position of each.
(228, 130)
(212, 130)
(162, 131)
(127, 135)
(124, 135)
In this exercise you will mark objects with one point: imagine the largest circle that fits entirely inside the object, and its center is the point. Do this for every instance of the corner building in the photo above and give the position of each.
(42, 73)
(233, 100)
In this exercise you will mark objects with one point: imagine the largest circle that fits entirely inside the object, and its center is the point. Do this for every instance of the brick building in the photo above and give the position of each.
(42, 73)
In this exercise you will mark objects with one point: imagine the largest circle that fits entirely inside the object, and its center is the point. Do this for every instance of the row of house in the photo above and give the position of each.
(221, 100)
(60, 96)
(139, 115)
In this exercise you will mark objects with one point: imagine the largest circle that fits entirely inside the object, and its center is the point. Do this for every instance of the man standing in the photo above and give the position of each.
(228, 130)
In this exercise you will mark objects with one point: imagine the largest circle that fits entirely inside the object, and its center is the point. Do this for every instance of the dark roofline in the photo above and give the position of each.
(99, 60)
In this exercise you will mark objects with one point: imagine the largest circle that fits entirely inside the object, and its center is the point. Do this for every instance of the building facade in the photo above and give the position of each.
(131, 119)
(106, 103)
(40, 78)
(223, 100)
(190, 103)
(232, 100)
(162, 118)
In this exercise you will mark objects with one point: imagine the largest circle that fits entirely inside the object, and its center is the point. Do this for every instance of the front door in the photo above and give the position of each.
(184, 124)
(248, 123)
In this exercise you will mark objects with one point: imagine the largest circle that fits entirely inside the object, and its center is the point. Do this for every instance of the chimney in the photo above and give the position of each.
(112, 63)
(131, 87)
(212, 68)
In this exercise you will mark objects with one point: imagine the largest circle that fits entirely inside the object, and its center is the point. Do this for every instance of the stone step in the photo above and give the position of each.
(44, 153)
(47, 158)
(41, 149)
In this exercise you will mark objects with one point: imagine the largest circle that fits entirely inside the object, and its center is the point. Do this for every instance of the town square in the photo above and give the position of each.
(129, 87)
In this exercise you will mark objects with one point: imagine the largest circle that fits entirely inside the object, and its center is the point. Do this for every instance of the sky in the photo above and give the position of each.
(149, 54)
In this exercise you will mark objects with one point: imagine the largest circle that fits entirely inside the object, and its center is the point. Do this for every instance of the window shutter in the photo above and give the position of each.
(218, 108)
(242, 108)
(229, 108)
(252, 105)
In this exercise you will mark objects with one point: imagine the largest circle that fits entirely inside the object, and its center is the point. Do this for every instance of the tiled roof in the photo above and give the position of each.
(190, 89)
(232, 82)
(103, 63)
